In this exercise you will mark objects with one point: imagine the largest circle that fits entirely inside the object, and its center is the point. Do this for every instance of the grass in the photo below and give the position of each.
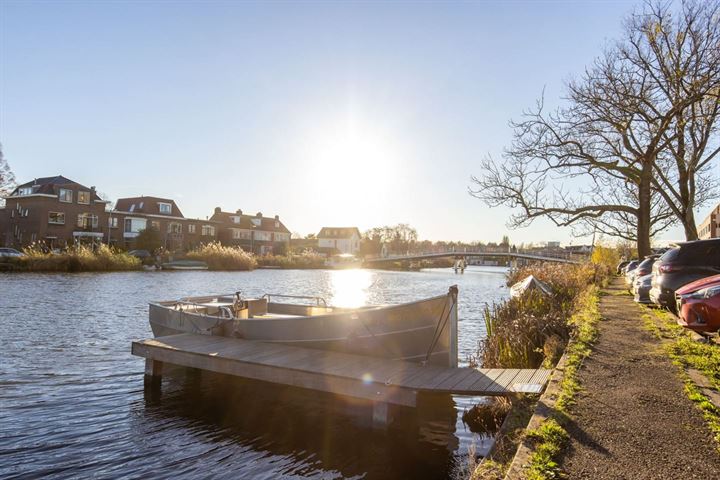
(80, 258)
(220, 257)
(688, 354)
(550, 437)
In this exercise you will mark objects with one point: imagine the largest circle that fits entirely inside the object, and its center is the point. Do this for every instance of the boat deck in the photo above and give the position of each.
(381, 380)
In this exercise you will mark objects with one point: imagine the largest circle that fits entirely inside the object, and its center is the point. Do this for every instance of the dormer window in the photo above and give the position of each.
(165, 208)
(235, 219)
(65, 195)
(132, 208)
(84, 198)
(25, 191)
(141, 205)
(256, 222)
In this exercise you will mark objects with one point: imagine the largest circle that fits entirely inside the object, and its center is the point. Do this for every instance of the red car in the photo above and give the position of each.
(698, 304)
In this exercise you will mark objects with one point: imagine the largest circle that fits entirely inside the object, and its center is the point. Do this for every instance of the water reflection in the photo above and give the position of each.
(350, 288)
(72, 402)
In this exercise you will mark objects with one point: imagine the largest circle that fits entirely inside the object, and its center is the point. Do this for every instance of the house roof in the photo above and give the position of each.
(268, 224)
(147, 205)
(338, 232)
(51, 185)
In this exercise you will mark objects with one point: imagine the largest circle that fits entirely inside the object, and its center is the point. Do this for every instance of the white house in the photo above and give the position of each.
(344, 239)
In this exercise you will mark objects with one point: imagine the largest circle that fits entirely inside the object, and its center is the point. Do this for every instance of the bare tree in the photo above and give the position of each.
(7, 178)
(680, 53)
(605, 159)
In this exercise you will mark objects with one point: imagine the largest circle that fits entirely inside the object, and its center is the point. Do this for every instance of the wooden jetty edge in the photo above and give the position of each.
(381, 380)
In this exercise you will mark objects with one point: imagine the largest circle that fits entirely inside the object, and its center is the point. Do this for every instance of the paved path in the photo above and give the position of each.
(633, 420)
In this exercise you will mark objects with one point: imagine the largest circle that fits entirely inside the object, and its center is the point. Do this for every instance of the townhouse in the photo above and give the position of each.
(253, 233)
(710, 227)
(339, 240)
(54, 211)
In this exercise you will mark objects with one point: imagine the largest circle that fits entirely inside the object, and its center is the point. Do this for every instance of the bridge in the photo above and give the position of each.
(431, 255)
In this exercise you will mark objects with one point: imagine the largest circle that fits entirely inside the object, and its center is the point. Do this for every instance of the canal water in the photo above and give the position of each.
(72, 402)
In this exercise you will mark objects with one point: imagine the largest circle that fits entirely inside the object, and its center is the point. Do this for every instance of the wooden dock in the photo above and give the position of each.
(381, 380)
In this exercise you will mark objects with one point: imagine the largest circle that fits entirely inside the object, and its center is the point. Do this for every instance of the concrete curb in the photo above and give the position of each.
(543, 409)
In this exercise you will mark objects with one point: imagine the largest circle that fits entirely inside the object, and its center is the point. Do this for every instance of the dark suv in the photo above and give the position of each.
(684, 263)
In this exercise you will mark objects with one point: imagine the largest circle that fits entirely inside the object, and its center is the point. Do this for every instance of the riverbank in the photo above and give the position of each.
(631, 415)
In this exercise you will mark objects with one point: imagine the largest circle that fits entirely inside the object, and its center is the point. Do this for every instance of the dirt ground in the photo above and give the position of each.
(633, 420)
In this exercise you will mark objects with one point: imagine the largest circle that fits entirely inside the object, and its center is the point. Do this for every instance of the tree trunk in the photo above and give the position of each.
(688, 222)
(644, 207)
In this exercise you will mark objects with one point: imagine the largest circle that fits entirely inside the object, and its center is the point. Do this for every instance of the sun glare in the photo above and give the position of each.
(350, 288)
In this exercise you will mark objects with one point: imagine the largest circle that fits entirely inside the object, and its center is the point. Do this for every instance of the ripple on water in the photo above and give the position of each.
(73, 404)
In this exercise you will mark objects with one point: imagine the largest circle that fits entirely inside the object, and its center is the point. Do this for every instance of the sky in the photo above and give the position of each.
(324, 113)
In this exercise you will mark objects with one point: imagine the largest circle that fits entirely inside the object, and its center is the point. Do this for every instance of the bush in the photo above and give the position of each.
(219, 257)
(80, 258)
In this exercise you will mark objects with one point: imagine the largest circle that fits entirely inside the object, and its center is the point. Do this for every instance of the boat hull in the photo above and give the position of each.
(423, 331)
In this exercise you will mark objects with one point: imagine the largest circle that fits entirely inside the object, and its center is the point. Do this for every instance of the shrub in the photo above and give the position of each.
(219, 257)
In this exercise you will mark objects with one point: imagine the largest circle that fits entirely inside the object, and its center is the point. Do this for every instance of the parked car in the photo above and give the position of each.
(641, 288)
(643, 268)
(141, 254)
(621, 266)
(685, 263)
(698, 305)
(10, 253)
(629, 271)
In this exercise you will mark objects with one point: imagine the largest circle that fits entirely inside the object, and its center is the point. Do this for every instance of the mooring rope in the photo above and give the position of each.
(439, 328)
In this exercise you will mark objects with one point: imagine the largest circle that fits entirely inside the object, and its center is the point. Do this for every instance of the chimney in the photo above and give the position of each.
(258, 214)
(238, 211)
(277, 221)
(217, 210)
(277, 217)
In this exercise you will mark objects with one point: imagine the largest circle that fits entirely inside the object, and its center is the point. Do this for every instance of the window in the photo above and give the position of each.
(25, 191)
(155, 225)
(174, 227)
(134, 225)
(208, 230)
(165, 208)
(238, 234)
(256, 222)
(57, 218)
(191, 228)
(25, 212)
(264, 236)
(132, 208)
(87, 220)
(113, 222)
(84, 198)
(235, 219)
(65, 195)
(128, 225)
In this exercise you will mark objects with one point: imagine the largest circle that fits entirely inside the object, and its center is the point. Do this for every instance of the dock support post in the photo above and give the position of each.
(153, 372)
(381, 416)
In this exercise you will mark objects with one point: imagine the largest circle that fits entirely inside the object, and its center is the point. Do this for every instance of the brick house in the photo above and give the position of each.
(253, 233)
(134, 214)
(55, 211)
(710, 227)
(340, 239)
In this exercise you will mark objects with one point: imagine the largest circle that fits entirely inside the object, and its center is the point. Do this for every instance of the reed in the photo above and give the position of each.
(308, 259)
(220, 257)
(80, 258)
(532, 330)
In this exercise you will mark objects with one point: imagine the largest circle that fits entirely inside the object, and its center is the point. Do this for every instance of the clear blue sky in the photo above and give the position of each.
(326, 113)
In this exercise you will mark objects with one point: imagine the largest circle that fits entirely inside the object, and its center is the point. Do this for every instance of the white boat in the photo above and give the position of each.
(423, 331)
(343, 260)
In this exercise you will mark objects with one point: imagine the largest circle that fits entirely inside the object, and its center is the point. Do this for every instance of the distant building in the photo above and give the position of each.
(553, 244)
(579, 249)
(710, 227)
(254, 233)
(342, 239)
(135, 214)
(53, 211)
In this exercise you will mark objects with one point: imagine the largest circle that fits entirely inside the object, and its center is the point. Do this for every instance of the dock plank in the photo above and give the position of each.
(391, 381)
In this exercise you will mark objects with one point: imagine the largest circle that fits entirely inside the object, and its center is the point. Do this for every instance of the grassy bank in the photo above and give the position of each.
(534, 331)
(77, 259)
(693, 359)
